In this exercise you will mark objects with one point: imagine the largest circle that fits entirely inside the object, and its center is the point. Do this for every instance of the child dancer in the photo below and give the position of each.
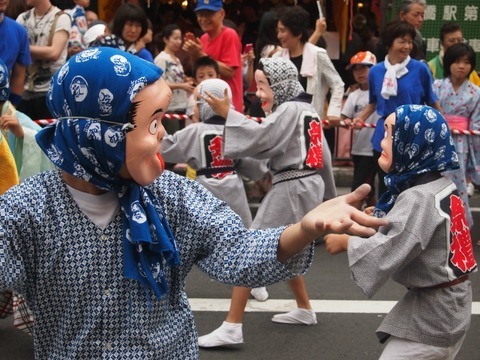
(460, 100)
(426, 247)
(200, 146)
(291, 137)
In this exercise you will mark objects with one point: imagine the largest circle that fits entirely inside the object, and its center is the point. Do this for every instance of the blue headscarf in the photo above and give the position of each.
(4, 82)
(91, 95)
(421, 144)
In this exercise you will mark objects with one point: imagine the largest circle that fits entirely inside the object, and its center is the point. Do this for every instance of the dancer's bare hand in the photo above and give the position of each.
(342, 215)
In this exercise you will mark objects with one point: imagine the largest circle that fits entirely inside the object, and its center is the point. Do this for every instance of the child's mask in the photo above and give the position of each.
(282, 81)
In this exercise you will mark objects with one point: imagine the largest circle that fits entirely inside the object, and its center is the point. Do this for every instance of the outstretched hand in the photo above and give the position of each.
(341, 215)
(218, 105)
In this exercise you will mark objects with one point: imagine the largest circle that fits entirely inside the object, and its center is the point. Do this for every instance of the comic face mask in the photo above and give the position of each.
(264, 91)
(278, 82)
(143, 162)
(386, 158)
(96, 97)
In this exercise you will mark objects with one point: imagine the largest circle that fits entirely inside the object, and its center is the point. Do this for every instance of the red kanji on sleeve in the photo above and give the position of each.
(314, 158)
(215, 149)
(461, 241)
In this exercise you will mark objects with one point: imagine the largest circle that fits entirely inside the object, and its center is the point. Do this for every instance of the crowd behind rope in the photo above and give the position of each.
(44, 37)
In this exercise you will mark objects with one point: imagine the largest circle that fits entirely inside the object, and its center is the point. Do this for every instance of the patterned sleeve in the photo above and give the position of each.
(161, 61)
(473, 164)
(474, 123)
(244, 137)
(177, 148)
(210, 235)
(437, 89)
(21, 18)
(16, 230)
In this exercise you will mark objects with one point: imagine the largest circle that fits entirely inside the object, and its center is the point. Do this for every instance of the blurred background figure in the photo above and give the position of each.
(90, 16)
(174, 75)
(221, 43)
(460, 100)
(48, 30)
(396, 81)
(450, 34)
(143, 43)
(412, 12)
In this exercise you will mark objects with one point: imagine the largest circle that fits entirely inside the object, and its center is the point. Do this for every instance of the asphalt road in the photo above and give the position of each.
(346, 319)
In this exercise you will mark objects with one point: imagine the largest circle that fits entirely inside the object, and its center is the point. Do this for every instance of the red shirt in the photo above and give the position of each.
(227, 48)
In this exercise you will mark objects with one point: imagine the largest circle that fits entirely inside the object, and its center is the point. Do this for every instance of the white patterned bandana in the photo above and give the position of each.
(215, 87)
(92, 96)
(283, 77)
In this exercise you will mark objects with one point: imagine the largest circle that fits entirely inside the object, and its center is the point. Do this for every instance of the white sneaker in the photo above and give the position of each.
(470, 189)
(297, 316)
(260, 293)
(227, 334)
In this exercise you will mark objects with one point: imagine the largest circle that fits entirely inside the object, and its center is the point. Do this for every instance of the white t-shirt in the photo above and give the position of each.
(100, 209)
(362, 138)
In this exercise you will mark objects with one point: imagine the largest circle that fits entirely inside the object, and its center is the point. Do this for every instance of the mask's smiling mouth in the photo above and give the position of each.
(162, 162)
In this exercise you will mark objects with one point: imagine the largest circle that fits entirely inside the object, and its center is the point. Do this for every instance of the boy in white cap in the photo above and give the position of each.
(364, 164)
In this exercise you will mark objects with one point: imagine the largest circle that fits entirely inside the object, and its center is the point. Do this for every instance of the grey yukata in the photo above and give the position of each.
(200, 146)
(283, 138)
(425, 244)
(71, 271)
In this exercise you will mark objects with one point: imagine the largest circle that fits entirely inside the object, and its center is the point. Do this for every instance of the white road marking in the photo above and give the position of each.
(320, 306)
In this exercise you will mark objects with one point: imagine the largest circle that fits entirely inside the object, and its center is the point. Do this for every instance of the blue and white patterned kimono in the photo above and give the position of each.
(71, 271)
